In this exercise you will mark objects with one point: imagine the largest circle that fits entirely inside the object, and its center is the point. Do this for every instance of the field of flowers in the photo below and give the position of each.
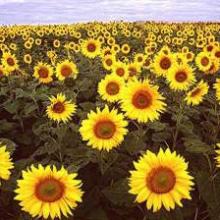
(110, 121)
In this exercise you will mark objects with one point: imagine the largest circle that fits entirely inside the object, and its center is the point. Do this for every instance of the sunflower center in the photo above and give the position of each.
(91, 47)
(142, 99)
(217, 54)
(181, 76)
(139, 59)
(195, 92)
(147, 62)
(112, 88)
(161, 180)
(49, 190)
(120, 71)
(132, 71)
(10, 61)
(58, 107)
(165, 63)
(209, 48)
(66, 71)
(105, 129)
(108, 62)
(205, 61)
(43, 72)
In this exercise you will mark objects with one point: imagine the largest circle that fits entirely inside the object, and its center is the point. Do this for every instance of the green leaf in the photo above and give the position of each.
(118, 193)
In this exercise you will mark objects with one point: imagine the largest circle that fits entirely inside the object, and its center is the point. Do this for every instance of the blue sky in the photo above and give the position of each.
(70, 11)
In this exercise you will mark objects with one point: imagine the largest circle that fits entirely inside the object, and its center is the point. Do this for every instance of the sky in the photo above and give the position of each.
(71, 11)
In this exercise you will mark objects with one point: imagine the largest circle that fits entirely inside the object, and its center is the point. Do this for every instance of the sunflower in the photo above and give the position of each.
(104, 129)
(28, 58)
(163, 63)
(108, 61)
(66, 69)
(120, 69)
(141, 101)
(110, 87)
(60, 109)
(5, 163)
(134, 69)
(203, 61)
(195, 96)
(180, 77)
(218, 155)
(161, 180)
(43, 72)
(91, 48)
(215, 66)
(9, 61)
(125, 48)
(47, 192)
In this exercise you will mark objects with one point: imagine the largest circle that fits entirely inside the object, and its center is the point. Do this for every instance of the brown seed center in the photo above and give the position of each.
(181, 76)
(104, 129)
(161, 180)
(112, 88)
(165, 63)
(58, 107)
(43, 72)
(10, 61)
(66, 71)
(91, 47)
(49, 190)
(195, 92)
(120, 71)
(142, 99)
(205, 61)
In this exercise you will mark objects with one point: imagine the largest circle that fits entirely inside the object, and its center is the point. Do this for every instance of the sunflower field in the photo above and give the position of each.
(110, 121)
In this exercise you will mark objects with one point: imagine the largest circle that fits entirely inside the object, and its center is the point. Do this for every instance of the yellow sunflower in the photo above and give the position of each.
(91, 48)
(60, 109)
(203, 61)
(120, 69)
(108, 61)
(161, 180)
(163, 63)
(125, 48)
(66, 69)
(110, 87)
(141, 101)
(134, 69)
(43, 72)
(195, 96)
(5, 163)
(9, 62)
(48, 193)
(104, 129)
(180, 77)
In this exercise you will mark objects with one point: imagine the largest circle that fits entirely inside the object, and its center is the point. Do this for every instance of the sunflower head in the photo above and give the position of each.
(9, 61)
(104, 129)
(159, 182)
(5, 163)
(43, 72)
(181, 77)
(195, 96)
(91, 48)
(110, 87)
(45, 192)
(141, 101)
(60, 109)
(66, 69)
